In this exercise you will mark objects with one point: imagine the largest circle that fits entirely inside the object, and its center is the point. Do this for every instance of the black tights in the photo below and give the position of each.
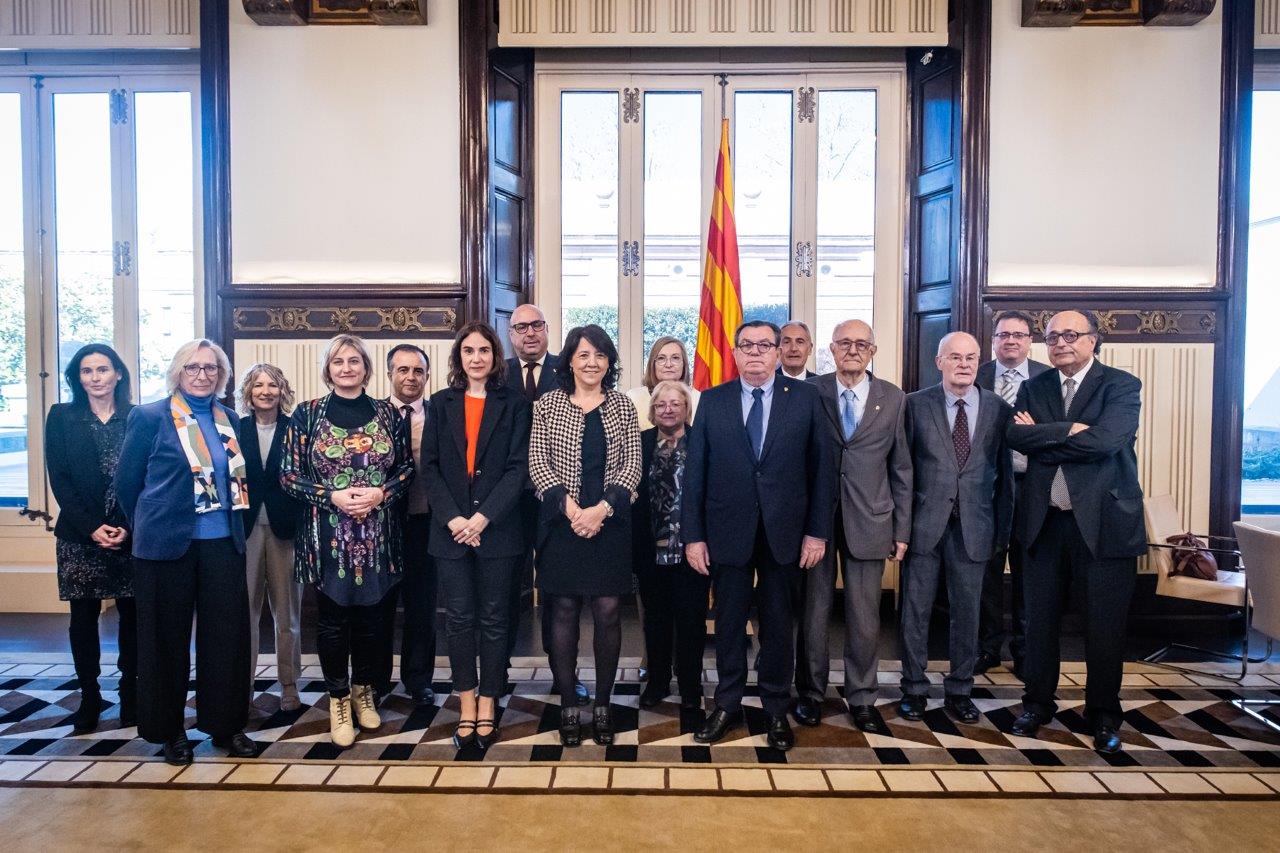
(85, 649)
(566, 611)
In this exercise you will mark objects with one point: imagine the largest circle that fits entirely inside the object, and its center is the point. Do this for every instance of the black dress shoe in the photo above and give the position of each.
(1027, 724)
(237, 746)
(424, 698)
(912, 706)
(1106, 741)
(653, 694)
(85, 719)
(584, 695)
(489, 737)
(963, 709)
(691, 703)
(570, 727)
(985, 661)
(601, 725)
(780, 735)
(867, 719)
(806, 711)
(716, 726)
(178, 752)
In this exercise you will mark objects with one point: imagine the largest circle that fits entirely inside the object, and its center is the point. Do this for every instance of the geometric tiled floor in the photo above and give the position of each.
(1183, 738)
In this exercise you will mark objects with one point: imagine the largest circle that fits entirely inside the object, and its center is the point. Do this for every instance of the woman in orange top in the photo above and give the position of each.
(475, 457)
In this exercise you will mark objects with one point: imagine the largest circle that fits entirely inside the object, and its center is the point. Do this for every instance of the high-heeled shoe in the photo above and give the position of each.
(483, 740)
(464, 734)
(85, 718)
(601, 726)
(570, 727)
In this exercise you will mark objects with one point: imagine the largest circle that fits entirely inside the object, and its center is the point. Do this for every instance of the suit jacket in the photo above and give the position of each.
(874, 503)
(1099, 463)
(75, 476)
(987, 372)
(501, 468)
(155, 487)
(546, 377)
(791, 489)
(264, 480)
(982, 490)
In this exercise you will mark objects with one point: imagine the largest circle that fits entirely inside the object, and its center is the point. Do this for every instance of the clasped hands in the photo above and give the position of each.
(109, 537)
(1025, 419)
(466, 531)
(357, 501)
(586, 522)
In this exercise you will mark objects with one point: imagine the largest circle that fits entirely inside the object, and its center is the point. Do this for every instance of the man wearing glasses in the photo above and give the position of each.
(865, 417)
(1012, 365)
(527, 370)
(1079, 519)
(759, 496)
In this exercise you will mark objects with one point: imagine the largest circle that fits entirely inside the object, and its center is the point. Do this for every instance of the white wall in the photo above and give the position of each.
(344, 151)
(1104, 153)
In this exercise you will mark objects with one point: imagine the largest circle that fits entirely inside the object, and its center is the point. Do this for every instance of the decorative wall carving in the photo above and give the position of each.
(300, 361)
(99, 24)
(335, 319)
(274, 13)
(1113, 13)
(1186, 321)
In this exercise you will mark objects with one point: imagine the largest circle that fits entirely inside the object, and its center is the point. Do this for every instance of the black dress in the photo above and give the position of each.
(571, 565)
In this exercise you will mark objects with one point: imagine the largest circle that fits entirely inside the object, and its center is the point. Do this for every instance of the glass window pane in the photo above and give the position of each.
(82, 202)
(845, 254)
(762, 202)
(165, 254)
(13, 315)
(589, 210)
(672, 216)
(1261, 481)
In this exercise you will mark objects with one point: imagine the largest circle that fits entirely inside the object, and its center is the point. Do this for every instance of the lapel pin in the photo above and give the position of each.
(877, 408)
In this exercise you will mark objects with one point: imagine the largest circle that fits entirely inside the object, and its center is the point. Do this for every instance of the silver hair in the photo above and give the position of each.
(670, 385)
(173, 376)
(802, 324)
(949, 336)
(243, 404)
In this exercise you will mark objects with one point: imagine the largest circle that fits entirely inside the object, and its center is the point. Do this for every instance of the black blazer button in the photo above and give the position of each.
(475, 503)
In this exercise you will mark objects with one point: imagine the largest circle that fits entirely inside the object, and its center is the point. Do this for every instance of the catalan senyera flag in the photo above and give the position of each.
(721, 309)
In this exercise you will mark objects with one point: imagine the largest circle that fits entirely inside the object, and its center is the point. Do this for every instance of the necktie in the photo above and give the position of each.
(848, 412)
(407, 412)
(1009, 386)
(755, 421)
(960, 434)
(1058, 494)
(530, 386)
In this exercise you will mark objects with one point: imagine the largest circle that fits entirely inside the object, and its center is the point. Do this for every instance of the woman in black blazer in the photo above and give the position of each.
(82, 449)
(475, 453)
(267, 400)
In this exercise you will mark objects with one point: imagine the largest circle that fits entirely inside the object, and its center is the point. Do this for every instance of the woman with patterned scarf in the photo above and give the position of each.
(180, 481)
(349, 457)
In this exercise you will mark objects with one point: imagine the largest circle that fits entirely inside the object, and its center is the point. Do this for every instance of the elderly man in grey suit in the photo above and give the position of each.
(866, 416)
(961, 515)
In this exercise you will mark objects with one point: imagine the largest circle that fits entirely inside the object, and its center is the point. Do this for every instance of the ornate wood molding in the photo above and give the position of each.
(1132, 314)
(397, 319)
(1115, 13)
(316, 311)
(274, 13)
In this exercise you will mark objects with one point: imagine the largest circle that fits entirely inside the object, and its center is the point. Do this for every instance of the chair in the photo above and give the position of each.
(1230, 588)
(1260, 552)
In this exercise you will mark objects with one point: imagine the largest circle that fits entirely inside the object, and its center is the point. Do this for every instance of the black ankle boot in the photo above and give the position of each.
(128, 702)
(570, 727)
(602, 726)
(85, 719)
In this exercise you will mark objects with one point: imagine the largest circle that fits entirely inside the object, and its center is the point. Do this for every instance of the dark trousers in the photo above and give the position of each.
(207, 582)
(416, 593)
(1058, 558)
(776, 664)
(991, 633)
(476, 601)
(675, 623)
(529, 508)
(86, 651)
(920, 576)
(349, 642)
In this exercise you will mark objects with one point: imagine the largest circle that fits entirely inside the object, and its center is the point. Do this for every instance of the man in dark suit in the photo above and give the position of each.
(759, 497)
(532, 370)
(961, 514)
(866, 417)
(794, 350)
(409, 370)
(1004, 374)
(1079, 519)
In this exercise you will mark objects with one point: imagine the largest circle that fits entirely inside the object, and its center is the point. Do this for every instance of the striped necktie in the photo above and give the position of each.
(1009, 386)
(1059, 496)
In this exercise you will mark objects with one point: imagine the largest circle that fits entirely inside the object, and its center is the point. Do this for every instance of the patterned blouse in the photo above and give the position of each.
(666, 484)
(555, 447)
(352, 561)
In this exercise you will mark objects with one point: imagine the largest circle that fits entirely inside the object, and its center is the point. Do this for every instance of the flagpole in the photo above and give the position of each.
(724, 87)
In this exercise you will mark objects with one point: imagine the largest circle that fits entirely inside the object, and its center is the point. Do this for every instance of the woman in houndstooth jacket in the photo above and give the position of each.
(584, 459)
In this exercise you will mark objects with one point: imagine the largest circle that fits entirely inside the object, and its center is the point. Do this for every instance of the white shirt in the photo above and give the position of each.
(1021, 373)
(803, 374)
(860, 392)
(417, 495)
(266, 432)
(537, 369)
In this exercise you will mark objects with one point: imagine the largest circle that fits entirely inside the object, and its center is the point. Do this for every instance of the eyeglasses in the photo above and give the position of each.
(536, 325)
(1070, 336)
(957, 358)
(844, 345)
(1011, 336)
(194, 370)
(757, 347)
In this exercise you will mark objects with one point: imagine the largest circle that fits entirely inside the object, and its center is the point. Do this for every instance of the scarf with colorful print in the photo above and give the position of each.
(201, 461)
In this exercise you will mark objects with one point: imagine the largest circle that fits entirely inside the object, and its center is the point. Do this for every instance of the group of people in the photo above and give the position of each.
(761, 490)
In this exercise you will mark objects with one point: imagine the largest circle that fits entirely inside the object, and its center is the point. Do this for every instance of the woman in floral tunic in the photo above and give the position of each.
(348, 457)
